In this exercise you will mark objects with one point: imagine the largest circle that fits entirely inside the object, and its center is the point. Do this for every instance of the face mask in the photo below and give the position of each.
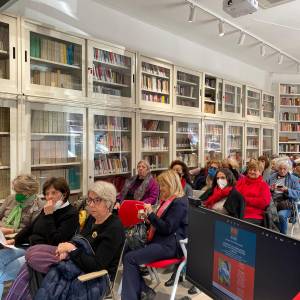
(59, 203)
(212, 172)
(222, 183)
(20, 197)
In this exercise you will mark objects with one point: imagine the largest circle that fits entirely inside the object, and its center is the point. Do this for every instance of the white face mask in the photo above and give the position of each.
(222, 183)
(59, 203)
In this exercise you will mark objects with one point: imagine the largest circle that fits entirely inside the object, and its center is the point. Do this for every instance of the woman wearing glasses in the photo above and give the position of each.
(98, 247)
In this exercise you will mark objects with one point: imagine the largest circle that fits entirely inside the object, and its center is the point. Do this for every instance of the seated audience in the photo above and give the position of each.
(56, 223)
(168, 226)
(97, 248)
(141, 187)
(182, 170)
(267, 168)
(296, 171)
(256, 193)
(232, 164)
(285, 189)
(17, 212)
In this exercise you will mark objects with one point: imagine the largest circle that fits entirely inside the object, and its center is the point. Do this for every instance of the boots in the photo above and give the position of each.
(171, 281)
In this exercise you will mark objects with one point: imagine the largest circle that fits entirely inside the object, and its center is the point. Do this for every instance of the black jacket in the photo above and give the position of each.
(50, 229)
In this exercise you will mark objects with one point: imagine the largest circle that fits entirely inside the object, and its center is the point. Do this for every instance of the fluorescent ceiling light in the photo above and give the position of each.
(242, 38)
(192, 13)
(221, 28)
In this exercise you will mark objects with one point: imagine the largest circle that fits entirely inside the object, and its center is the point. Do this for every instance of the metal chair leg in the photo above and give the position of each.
(179, 270)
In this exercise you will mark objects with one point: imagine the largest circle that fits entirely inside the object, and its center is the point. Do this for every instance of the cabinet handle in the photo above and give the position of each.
(25, 55)
(132, 78)
(14, 52)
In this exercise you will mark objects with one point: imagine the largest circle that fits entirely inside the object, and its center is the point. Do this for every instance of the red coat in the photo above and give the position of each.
(257, 196)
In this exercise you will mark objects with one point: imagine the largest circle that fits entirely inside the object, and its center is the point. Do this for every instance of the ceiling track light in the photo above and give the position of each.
(262, 50)
(221, 28)
(280, 59)
(192, 13)
(242, 38)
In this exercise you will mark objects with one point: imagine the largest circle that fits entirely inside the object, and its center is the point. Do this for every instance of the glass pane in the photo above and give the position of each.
(220, 96)
(112, 145)
(210, 95)
(187, 143)
(155, 143)
(187, 90)
(235, 143)
(268, 106)
(155, 83)
(111, 73)
(238, 99)
(55, 62)
(56, 146)
(253, 108)
(4, 51)
(4, 152)
(229, 98)
(213, 135)
(268, 142)
(252, 150)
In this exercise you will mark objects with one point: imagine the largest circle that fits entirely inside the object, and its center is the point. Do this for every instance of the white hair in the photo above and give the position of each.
(106, 191)
(285, 161)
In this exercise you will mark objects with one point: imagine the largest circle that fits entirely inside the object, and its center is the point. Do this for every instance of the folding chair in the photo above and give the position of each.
(297, 221)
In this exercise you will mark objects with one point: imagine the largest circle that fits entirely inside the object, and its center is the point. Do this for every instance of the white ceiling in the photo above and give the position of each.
(279, 26)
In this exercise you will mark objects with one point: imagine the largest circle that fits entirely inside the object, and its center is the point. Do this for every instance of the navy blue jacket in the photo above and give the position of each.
(172, 225)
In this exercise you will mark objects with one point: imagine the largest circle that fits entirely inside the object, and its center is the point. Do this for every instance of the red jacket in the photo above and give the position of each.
(257, 196)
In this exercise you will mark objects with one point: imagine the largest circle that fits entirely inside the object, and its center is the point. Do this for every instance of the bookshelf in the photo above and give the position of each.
(252, 142)
(212, 100)
(253, 104)
(187, 136)
(155, 145)
(289, 119)
(187, 85)
(232, 98)
(54, 63)
(268, 107)
(8, 54)
(235, 141)
(155, 84)
(213, 140)
(268, 138)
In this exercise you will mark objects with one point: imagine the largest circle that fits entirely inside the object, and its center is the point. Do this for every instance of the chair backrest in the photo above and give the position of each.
(128, 212)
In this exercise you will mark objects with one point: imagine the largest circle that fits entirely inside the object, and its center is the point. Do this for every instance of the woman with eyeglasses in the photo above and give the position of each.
(98, 247)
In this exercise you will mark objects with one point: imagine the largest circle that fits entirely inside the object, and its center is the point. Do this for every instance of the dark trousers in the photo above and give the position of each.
(133, 283)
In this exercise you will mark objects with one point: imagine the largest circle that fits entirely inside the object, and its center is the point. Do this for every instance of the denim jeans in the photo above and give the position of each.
(11, 261)
(283, 220)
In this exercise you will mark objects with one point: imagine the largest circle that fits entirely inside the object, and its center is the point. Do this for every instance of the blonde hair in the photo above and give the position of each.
(172, 180)
(26, 184)
(106, 191)
(255, 165)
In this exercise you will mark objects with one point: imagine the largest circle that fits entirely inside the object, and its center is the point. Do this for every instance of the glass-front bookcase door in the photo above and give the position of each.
(155, 141)
(111, 73)
(268, 142)
(252, 142)
(232, 99)
(54, 63)
(253, 104)
(187, 141)
(8, 54)
(235, 142)
(58, 144)
(111, 146)
(8, 146)
(155, 84)
(187, 90)
(268, 106)
(213, 140)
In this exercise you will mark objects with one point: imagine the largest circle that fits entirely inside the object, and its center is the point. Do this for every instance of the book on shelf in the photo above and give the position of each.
(289, 116)
(213, 129)
(187, 91)
(157, 161)
(294, 127)
(112, 123)
(289, 89)
(150, 125)
(154, 143)
(108, 75)
(289, 148)
(289, 101)
(4, 183)
(4, 119)
(108, 141)
(146, 96)
(189, 78)
(112, 58)
(155, 70)
(106, 165)
(252, 131)
(155, 84)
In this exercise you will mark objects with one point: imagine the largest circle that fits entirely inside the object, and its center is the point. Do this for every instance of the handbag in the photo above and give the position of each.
(136, 236)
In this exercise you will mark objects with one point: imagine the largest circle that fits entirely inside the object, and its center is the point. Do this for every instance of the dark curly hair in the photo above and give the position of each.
(185, 170)
(229, 177)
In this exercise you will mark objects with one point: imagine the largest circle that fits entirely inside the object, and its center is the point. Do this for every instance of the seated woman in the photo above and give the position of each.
(267, 168)
(17, 212)
(56, 223)
(168, 226)
(98, 247)
(141, 187)
(256, 193)
(232, 164)
(285, 189)
(182, 170)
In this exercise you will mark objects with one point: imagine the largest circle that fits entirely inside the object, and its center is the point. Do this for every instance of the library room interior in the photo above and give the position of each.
(149, 150)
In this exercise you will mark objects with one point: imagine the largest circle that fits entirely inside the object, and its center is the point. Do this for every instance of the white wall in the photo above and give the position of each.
(87, 17)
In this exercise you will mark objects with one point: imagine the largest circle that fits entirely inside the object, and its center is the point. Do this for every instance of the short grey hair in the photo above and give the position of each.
(145, 162)
(26, 184)
(106, 191)
(284, 160)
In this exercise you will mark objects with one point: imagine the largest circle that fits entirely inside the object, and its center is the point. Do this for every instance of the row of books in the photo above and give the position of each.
(72, 176)
(155, 70)
(155, 143)
(209, 108)
(233, 130)
(190, 159)
(55, 79)
(4, 183)
(290, 101)
(4, 119)
(213, 129)
(54, 50)
(110, 165)
(112, 123)
(188, 129)
(4, 151)
(267, 144)
(187, 91)
(187, 102)
(55, 122)
(155, 97)
(4, 38)
(99, 89)
(184, 142)
(155, 84)
(289, 127)
(253, 96)
(157, 161)
(54, 152)
(252, 131)
(236, 144)
(288, 116)
(252, 142)
(110, 141)
(289, 148)
(187, 77)
(112, 58)
(154, 125)
(289, 89)
(109, 75)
